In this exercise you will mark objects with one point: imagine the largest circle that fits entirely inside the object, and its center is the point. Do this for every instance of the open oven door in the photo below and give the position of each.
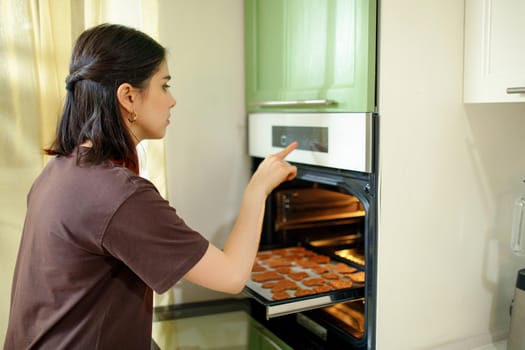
(321, 229)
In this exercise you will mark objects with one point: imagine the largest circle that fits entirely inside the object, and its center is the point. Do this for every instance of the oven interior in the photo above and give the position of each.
(329, 220)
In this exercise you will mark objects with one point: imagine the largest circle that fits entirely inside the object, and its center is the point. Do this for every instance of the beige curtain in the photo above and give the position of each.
(36, 38)
(33, 45)
(51, 21)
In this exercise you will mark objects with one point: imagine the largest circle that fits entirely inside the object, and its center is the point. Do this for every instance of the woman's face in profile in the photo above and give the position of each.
(153, 105)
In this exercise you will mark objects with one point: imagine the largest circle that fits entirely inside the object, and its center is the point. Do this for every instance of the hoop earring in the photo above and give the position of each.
(132, 117)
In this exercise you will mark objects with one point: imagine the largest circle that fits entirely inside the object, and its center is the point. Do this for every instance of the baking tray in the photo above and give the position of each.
(309, 265)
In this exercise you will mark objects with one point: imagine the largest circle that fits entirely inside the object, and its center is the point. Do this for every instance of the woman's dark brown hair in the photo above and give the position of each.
(103, 58)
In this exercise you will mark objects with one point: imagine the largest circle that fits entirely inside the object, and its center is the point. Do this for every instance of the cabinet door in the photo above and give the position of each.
(494, 51)
(310, 55)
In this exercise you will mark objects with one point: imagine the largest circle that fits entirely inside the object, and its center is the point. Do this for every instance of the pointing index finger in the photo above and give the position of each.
(286, 151)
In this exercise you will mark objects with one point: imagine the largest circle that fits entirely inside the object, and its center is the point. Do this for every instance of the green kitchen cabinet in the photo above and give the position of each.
(310, 55)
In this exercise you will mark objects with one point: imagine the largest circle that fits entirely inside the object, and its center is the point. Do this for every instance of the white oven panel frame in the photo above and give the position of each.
(349, 138)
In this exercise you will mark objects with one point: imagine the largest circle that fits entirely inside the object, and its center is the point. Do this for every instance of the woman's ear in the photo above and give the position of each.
(126, 95)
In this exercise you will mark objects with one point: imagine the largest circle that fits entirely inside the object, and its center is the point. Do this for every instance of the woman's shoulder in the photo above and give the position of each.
(106, 180)
(121, 178)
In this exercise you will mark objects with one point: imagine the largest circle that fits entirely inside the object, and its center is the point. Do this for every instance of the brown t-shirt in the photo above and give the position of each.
(97, 240)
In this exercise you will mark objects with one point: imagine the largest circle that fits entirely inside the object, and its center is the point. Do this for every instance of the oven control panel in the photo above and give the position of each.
(309, 138)
(334, 140)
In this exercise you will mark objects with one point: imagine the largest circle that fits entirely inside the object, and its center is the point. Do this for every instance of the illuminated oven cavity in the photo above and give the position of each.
(331, 222)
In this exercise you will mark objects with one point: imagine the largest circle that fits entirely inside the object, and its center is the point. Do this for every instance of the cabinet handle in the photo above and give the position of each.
(516, 90)
(296, 103)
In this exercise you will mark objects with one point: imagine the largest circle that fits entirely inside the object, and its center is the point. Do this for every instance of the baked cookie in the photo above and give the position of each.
(284, 269)
(340, 284)
(343, 268)
(284, 285)
(269, 285)
(266, 276)
(298, 275)
(321, 259)
(277, 262)
(307, 264)
(331, 276)
(280, 295)
(358, 277)
(322, 289)
(313, 282)
(320, 269)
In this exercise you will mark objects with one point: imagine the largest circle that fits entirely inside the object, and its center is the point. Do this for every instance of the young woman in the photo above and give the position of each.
(98, 239)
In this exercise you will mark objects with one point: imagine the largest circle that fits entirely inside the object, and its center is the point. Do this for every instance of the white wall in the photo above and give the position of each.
(450, 173)
(206, 148)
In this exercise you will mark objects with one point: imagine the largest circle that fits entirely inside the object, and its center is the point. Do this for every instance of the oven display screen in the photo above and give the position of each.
(309, 138)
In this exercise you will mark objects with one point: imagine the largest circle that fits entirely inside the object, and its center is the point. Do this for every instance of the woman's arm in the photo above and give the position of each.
(228, 270)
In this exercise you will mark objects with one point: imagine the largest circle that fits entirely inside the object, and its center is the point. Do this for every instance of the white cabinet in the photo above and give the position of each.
(494, 66)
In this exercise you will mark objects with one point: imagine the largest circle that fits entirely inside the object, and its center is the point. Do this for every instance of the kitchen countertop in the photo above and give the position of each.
(219, 325)
(230, 311)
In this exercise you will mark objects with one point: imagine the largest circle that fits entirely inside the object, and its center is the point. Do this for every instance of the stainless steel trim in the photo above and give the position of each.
(286, 307)
(294, 103)
(516, 90)
(303, 305)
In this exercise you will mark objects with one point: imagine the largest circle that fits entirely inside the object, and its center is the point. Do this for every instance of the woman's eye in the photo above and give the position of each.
(166, 86)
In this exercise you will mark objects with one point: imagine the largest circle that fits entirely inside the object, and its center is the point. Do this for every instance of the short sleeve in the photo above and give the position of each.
(147, 235)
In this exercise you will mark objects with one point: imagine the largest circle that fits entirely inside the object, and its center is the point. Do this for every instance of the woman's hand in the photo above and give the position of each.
(274, 170)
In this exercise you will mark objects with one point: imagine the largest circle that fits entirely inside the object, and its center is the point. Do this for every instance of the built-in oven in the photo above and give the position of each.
(313, 283)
